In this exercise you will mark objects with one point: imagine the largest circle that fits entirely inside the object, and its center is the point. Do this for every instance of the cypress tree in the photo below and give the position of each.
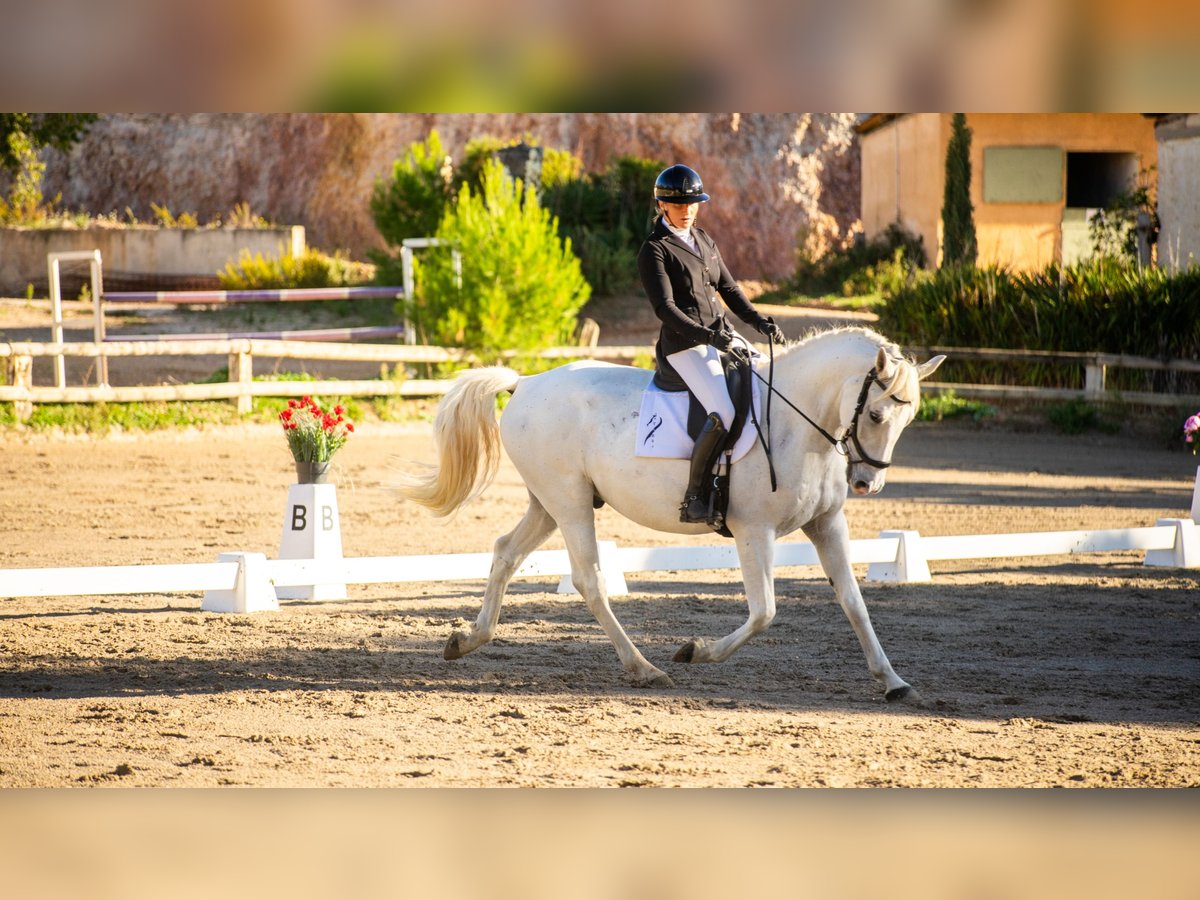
(958, 215)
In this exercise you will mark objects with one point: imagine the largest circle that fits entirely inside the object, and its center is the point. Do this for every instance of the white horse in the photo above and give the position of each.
(570, 432)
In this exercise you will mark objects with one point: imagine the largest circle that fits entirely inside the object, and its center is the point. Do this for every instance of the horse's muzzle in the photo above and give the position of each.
(864, 479)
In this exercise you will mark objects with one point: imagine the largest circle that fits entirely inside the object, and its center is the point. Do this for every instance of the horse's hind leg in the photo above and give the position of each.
(580, 537)
(510, 551)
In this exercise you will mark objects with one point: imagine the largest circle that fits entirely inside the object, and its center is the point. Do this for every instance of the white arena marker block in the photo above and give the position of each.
(311, 530)
(1185, 554)
(1196, 498)
(909, 565)
(610, 569)
(252, 591)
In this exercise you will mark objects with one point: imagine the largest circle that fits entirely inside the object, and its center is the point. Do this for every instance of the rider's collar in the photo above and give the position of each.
(684, 234)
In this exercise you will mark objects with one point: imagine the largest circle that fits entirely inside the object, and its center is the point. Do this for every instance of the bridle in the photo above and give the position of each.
(852, 431)
(839, 444)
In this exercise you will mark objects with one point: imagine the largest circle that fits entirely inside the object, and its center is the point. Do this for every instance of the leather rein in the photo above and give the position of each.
(839, 444)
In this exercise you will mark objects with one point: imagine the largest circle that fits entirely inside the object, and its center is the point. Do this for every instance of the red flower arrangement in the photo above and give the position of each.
(314, 435)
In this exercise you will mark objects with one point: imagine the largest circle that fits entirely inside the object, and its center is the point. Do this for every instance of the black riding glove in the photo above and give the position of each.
(767, 327)
(720, 338)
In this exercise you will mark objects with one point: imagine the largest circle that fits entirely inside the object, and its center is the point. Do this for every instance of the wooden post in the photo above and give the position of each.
(241, 371)
(1094, 375)
(22, 377)
(589, 333)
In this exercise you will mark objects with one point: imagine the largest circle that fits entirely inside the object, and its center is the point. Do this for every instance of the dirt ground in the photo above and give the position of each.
(1058, 671)
(1048, 671)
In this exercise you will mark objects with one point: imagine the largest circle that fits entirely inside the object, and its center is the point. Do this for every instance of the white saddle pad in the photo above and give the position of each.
(662, 426)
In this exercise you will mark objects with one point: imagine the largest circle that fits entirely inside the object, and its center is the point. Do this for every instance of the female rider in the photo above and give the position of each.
(683, 274)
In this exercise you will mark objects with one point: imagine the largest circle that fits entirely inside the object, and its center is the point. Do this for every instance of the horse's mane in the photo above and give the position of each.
(905, 386)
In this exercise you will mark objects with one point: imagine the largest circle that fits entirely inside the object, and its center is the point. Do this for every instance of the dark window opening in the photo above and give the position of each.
(1095, 179)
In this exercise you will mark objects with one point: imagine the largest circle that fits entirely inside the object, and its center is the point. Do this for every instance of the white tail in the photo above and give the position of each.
(467, 438)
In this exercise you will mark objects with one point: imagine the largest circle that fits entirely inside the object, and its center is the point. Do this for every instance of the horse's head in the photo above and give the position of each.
(878, 406)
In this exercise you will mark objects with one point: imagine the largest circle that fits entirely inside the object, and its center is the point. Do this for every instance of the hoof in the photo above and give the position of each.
(453, 648)
(904, 694)
(685, 653)
(656, 680)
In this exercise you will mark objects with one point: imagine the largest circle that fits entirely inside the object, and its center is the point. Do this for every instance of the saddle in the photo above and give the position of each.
(739, 380)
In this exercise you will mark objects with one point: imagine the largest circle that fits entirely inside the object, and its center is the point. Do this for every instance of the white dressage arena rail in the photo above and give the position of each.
(246, 582)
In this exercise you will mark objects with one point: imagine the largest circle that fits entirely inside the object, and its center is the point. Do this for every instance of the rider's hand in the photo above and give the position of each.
(720, 339)
(772, 331)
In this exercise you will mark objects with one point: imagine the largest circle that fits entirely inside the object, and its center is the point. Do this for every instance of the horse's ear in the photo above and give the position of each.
(927, 368)
(885, 365)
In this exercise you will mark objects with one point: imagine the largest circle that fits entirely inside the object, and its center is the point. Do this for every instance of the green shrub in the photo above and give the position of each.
(185, 220)
(1113, 230)
(608, 259)
(958, 214)
(882, 265)
(412, 203)
(948, 405)
(521, 288)
(24, 205)
(312, 269)
(559, 167)
(607, 215)
(1078, 416)
(1103, 304)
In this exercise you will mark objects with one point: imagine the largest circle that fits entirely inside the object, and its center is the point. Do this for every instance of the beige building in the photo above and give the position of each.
(1178, 189)
(1035, 178)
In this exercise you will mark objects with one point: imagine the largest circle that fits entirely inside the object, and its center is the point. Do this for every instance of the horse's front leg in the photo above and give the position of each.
(756, 553)
(831, 537)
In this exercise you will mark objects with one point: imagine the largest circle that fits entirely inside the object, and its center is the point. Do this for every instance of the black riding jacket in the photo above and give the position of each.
(684, 287)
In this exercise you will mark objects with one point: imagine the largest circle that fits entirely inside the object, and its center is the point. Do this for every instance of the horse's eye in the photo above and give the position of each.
(876, 416)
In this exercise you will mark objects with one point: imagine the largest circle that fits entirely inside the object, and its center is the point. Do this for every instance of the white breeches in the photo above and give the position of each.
(700, 368)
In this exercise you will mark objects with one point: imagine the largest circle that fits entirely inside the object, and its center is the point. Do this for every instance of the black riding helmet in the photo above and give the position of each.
(679, 184)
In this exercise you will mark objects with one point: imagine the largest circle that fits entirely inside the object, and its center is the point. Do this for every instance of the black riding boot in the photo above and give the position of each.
(704, 456)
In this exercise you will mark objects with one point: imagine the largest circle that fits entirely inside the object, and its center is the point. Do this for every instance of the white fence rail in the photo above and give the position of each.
(241, 352)
(246, 582)
(240, 349)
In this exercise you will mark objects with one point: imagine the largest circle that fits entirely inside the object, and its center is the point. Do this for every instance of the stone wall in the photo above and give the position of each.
(135, 258)
(779, 181)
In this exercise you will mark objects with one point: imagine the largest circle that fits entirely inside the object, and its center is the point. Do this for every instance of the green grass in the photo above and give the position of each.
(948, 405)
(104, 418)
(1079, 416)
(788, 297)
